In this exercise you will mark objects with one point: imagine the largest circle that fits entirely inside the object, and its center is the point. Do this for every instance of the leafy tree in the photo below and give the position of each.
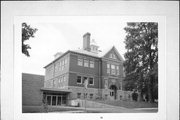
(141, 58)
(27, 33)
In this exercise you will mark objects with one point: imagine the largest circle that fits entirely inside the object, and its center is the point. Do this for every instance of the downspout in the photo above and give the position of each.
(100, 94)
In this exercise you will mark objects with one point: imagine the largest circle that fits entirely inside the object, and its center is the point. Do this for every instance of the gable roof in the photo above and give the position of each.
(103, 54)
(100, 54)
(81, 51)
(85, 52)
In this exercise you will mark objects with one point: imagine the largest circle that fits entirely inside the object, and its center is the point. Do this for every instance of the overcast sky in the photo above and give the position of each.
(65, 34)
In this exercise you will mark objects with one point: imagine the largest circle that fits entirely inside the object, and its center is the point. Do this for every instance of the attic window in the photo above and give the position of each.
(112, 56)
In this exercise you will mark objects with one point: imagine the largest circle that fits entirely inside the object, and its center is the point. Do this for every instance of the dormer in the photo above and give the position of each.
(94, 46)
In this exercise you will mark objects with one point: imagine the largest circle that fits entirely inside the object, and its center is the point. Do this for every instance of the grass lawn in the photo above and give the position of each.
(130, 104)
(39, 109)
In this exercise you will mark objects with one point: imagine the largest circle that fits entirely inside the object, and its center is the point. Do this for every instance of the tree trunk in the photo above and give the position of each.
(150, 92)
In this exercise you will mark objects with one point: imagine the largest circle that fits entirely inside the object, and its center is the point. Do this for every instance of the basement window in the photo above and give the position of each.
(91, 96)
(78, 95)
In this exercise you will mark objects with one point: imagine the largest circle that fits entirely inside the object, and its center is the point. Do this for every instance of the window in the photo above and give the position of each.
(111, 93)
(62, 64)
(91, 96)
(80, 62)
(56, 67)
(120, 97)
(106, 96)
(64, 78)
(108, 68)
(53, 83)
(112, 56)
(91, 81)
(78, 95)
(79, 81)
(65, 62)
(91, 64)
(113, 71)
(59, 79)
(117, 70)
(86, 63)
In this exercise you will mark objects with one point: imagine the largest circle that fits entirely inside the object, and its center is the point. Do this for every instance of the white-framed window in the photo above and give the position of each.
(113, 56)
(65, 60)
(79, 80)
(64, 78)
(113, 70)
(80, 61)
(108, 68)
(86, 63)
(63, 64)
(59, 79)
(91, 81)
(60, 65)
(91, 64)
(57, 67)
(117, 70)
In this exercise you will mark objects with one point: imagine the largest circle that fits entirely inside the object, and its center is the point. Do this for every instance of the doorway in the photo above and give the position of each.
(56, 100)
(113, 92)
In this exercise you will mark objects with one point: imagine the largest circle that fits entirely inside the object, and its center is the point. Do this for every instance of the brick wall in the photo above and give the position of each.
(81, 69)
(31, 84)
(73, 80)
(82, 90)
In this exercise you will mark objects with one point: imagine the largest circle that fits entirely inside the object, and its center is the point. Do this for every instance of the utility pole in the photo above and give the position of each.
(85, 100)
(85, 95)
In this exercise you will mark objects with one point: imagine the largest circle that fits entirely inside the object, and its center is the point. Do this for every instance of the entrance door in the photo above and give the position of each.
(59, 100)
(49, 100)
(55, 100)
(113, 92)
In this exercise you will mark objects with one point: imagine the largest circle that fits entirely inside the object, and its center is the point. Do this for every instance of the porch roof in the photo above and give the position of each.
(56, 90)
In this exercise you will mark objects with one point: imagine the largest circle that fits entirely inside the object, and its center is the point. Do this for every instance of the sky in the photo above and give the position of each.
(65, 34)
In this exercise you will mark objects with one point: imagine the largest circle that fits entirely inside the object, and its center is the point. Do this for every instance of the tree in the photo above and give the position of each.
(27, 33)
(141, 58)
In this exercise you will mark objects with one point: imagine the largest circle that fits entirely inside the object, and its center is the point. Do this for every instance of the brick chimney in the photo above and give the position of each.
(86, 41)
